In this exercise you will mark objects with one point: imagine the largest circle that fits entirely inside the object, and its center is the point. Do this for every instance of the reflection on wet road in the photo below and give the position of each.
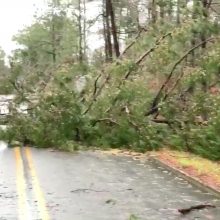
(42, 184)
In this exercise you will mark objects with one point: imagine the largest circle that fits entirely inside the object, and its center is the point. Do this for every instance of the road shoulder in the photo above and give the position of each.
(203, 173)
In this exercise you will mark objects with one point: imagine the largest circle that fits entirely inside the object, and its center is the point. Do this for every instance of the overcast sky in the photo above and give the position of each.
(14, 15)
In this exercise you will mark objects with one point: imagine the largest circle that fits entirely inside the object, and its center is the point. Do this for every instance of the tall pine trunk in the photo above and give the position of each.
(80, 28)
(113, 27)
(154, 11)
(203, 38)
(107, 32)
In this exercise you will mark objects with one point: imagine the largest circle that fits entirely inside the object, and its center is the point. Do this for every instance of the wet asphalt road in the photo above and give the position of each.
(41, 184)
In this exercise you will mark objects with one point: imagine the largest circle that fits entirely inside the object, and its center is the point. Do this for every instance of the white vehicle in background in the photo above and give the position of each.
(5, 101)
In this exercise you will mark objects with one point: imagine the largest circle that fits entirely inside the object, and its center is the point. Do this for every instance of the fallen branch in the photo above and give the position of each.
(96, 95)
(174, 86)
(132, 43)
(128, 73)
(162, 121)
(95, 84)
(109, 120)
(87, 190)
(154, 107)
(140, 60)
(192, 208)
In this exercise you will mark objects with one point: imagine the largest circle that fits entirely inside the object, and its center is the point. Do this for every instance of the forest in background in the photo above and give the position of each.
(154, 83)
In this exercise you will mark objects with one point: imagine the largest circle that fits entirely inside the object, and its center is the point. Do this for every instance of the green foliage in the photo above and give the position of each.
(133, 217)
(110, 111)
(200, 137)
(55, 120)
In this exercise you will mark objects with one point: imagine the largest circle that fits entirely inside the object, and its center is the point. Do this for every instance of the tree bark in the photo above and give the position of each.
(178, 12)
(203, 39)
(80, 28)
(154, 11)
(53, 35)
(84, 30)
(113, 27)
(108, 36)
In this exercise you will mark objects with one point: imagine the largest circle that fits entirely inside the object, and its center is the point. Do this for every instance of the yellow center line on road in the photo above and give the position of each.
(21, 186)
(44, 215)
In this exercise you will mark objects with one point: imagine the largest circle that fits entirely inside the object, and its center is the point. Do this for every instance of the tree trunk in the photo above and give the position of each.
(205, 16)
(105, 40)
(203, 39)
(178, 12)
(193, 41)
(113, 27)
(53, 35)
(84, 30)
(154, 11)
(80, 28)
(108, 37)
